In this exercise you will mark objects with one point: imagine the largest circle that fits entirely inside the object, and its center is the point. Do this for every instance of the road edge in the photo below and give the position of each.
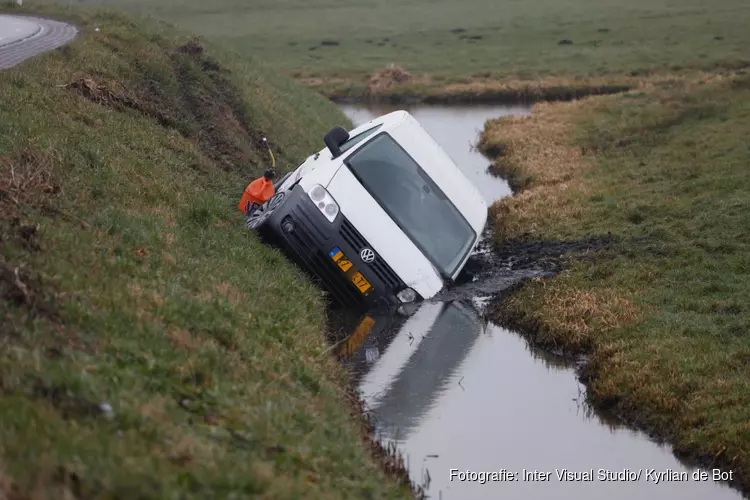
(52, 34)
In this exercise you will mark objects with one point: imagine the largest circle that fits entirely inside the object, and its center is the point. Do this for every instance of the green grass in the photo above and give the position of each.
(665, 311)
(518, 38)
(127, 279)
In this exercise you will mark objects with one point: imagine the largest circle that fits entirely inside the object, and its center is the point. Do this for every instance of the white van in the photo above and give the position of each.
(383, 216)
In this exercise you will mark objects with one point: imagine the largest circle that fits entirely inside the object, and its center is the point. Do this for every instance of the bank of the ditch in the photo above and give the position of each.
(150, 346)
(663, 309)
(396, 85)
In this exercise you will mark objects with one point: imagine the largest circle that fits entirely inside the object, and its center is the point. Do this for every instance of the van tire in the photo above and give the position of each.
(257, 219)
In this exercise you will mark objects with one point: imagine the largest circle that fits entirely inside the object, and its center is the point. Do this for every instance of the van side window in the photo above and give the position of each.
(353, 141)
(414, 202)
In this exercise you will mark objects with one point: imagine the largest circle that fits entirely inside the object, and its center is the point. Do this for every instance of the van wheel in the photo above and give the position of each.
(259, 216)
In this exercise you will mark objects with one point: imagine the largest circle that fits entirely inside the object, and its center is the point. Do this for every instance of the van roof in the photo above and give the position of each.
(390, 120)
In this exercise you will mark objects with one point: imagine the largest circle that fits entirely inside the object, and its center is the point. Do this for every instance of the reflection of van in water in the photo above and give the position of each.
(382, 216)
(402, 367)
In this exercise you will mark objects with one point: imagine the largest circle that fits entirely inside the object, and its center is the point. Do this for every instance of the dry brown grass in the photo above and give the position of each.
(321, 83)
(184, 339)
(168, 258)
(540, 142)
(564, 87)
(182, 452)
(230, 292)
(169, 239)
(146, 303)
(166, 214)
(538, 157)
(387, 78)
(225, 290)
(6, 485)
(396, 84)
(25, 180)
(145, 298)
(156, 409)
(548, 88)
(569, 318)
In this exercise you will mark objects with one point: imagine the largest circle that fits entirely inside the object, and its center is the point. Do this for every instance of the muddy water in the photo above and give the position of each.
(456, 392)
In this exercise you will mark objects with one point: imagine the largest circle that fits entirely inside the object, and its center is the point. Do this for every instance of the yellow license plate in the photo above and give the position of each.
(355, 339)
(351, 272)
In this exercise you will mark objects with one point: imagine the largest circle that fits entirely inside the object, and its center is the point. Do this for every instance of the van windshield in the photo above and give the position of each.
(414, 202)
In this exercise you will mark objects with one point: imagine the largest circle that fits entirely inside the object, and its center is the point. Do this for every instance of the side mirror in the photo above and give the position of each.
(335, 138)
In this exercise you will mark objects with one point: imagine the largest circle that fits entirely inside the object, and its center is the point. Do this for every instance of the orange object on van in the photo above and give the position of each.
(257, 192)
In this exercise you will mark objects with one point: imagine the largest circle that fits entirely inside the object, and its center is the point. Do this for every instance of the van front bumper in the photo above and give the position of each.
(306, 235)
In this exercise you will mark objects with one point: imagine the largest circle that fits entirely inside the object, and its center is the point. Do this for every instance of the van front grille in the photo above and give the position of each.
(352, 236)
(345, 292)
(378, 266)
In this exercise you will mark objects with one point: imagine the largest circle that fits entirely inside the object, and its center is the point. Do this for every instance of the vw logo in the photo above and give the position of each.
(367, 255)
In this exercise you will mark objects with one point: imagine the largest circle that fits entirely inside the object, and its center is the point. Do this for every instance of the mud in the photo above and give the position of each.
(491, 271)
(69, 405)
(197, 99)
(26, 289)
(118, 99)
(223, 128)
(547, 255)
(21, 234)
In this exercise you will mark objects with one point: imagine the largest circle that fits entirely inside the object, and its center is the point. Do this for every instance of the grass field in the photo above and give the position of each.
(664, 312)
(444, 41)
(150, 346)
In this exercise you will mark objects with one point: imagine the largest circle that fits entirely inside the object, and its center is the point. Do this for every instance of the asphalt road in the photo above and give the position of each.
(23, 37)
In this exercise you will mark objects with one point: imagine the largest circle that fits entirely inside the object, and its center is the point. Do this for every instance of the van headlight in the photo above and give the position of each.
(407, 295)
(324, 201)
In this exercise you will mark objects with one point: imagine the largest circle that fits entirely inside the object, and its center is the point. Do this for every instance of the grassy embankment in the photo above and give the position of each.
(150, 346)
(474, 49)
(664, 312)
